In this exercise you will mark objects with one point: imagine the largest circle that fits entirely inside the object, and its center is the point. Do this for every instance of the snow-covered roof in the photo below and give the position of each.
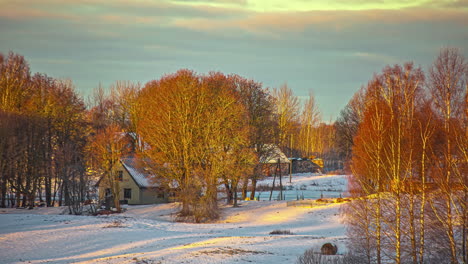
(273, 154)
(138, 173)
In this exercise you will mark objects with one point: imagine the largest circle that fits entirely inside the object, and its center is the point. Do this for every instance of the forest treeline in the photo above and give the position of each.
(197, 131)
(406, 137)
(43, 137)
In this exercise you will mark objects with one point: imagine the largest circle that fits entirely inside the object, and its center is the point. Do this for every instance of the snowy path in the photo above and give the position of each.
(146, 234)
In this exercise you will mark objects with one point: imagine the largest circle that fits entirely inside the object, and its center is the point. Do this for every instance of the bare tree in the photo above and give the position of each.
(286, 110)
(447, 80)
(383, 156)
(42, 117)
(347, 124)
(192, 124)
(310, 121)
(259, 107)
(107, 148)
(126, 108)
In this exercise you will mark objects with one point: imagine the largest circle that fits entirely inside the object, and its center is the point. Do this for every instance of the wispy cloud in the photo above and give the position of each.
(30, 13)
(258, 17)
(375, 57)
(129, 19)
(325, 20)
(319, 5)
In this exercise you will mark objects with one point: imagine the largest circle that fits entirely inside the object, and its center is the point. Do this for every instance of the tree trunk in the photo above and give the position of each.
(3, 190)
(235, 195)
(48, 190)
(228, 193)
(245, 185)
(254, 187)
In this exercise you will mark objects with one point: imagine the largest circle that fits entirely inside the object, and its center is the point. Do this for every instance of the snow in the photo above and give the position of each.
(138, 174)
(274, 153)
(305, 185)
(148, 234)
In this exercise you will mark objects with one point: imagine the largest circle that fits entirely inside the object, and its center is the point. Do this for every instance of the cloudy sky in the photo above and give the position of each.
(328, 47)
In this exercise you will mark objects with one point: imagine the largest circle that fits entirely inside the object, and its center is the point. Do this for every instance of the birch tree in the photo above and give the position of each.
(309, 135)
(286, 110)
(383, 154)
(447, 84)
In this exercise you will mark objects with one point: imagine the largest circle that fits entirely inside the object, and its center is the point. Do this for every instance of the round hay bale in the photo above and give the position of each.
(329, 249)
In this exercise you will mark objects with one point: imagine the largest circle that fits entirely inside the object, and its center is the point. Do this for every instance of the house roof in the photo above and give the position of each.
(273, 154)
(135, 169)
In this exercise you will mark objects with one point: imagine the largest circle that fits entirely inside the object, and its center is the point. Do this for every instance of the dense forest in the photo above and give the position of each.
(403, 138)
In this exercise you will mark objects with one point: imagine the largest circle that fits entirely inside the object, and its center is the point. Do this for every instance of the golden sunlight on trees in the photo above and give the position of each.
(309, 138)
(113, 120)
(43, 138)
(286, 111)
(262, 126)
(347, 125)
(107, 147)
(14, 82)
(447, 86)
(124, 95)
(409, 177)
(196, 132)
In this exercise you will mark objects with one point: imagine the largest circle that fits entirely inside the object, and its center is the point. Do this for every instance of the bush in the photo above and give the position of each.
(312, 257)
(281, 232)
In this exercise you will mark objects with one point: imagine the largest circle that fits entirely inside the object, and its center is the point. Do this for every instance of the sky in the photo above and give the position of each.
(330, 48)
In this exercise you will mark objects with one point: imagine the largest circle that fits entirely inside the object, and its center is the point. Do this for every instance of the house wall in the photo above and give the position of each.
(128, 183)
(150, 196)
(139, 195)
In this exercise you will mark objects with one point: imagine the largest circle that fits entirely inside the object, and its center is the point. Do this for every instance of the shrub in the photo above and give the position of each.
(312, 257)
(281, 232)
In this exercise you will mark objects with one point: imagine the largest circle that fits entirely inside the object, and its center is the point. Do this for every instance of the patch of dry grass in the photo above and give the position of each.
(281, 232)
(115, 224)
(232, 251)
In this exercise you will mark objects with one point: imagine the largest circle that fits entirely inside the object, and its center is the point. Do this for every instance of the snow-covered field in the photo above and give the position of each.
(147, 233)
(305, 186)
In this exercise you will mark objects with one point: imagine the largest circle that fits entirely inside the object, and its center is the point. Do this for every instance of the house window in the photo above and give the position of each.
(120, 175)
(108, 192)
(127, 193)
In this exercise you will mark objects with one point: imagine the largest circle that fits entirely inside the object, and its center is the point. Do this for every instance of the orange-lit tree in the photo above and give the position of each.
(43, 135)
(107, 148)
(383, 156)
(448, 78)
(260, 123)
(189, 123)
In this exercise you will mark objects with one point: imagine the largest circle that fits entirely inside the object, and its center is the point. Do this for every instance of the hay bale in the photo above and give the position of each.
(329, 249)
